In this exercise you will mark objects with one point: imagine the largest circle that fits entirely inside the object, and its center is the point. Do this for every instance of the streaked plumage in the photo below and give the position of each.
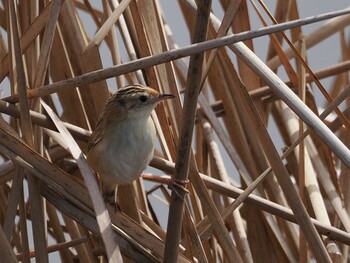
(122, 144)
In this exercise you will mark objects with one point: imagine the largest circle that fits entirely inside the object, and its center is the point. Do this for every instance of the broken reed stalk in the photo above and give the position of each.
(51, 55)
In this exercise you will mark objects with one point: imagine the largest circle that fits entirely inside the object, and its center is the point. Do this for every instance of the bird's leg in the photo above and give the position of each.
(110, 197)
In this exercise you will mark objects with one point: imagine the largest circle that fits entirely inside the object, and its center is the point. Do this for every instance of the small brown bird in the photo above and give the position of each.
(122, 144)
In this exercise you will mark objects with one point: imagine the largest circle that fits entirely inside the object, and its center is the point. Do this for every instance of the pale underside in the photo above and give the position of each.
(121, 161)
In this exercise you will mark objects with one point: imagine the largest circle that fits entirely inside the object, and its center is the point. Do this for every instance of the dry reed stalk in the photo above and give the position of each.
(63, 52)
(6, 251)
(165, 57)
(186, 133)
(268, 206)
(19, 80)
(103, 220)
(301, 154)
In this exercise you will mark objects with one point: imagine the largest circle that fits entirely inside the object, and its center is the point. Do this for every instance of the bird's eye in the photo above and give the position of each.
(143, 98)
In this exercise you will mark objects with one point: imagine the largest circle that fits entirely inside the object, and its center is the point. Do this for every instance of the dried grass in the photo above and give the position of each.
(285, 207)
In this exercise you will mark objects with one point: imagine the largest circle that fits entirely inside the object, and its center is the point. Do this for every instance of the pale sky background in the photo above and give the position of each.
(325, 54)
(319, 57)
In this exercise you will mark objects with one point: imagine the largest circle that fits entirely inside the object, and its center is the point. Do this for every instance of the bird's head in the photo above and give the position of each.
(137, 100)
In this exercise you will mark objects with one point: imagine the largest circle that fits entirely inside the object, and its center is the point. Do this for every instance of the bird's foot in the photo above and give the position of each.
(173, 184)
(178, 185)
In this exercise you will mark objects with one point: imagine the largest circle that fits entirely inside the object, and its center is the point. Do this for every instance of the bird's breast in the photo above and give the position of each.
(128, 150)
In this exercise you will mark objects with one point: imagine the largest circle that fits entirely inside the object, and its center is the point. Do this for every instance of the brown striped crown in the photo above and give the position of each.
(137, 96)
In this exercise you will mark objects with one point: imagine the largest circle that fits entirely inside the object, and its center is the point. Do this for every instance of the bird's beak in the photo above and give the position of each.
(165, 97)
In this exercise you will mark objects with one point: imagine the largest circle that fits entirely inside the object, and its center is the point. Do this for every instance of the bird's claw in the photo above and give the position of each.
(178, 185)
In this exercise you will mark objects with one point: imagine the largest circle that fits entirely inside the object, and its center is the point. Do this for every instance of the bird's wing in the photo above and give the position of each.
(97, 134)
